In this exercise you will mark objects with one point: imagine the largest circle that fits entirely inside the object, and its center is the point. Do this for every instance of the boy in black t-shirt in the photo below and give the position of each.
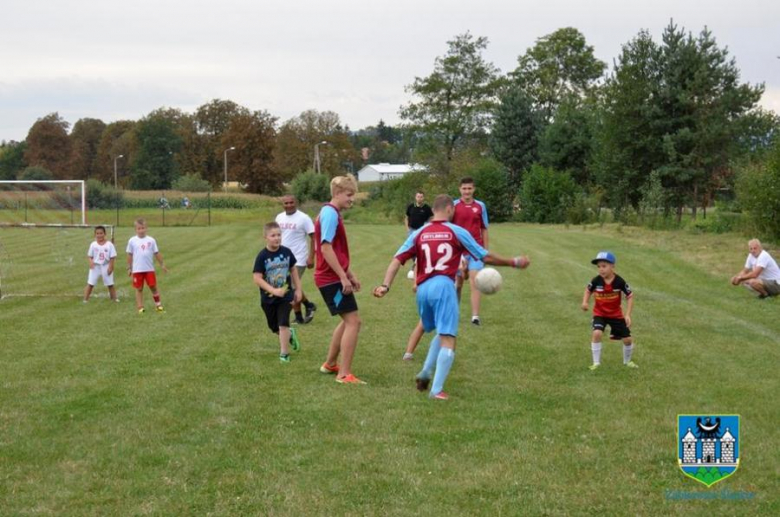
(276, 276)
(608, 287)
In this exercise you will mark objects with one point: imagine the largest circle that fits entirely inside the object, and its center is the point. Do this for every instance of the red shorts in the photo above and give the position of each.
(147, 276)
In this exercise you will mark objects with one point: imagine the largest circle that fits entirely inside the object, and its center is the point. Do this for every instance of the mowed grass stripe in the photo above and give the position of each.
(190, 411)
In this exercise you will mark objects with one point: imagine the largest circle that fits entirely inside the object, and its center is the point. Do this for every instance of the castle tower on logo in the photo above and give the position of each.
(689, 447)
(709, 453)
(727, 447)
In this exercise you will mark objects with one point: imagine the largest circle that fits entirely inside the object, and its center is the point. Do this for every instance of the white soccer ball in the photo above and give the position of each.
(410, 274)
(488, 281)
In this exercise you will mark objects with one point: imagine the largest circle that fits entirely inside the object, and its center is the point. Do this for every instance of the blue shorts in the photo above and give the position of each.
(473, 264)
(437, 303)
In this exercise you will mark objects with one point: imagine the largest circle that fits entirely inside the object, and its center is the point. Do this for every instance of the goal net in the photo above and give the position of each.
(44, 239)
(43, 202)
(50, 260)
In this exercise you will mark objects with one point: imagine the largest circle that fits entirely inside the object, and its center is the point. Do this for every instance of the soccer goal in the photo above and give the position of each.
(49, 260)
(43, 202)
(44, 238)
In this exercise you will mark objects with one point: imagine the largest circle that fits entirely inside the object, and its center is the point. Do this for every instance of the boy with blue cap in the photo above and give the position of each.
(607, 309)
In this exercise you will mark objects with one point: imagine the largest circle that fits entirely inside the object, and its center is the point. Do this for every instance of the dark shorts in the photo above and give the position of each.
(618, 327)
(338, 302)
(277, 315)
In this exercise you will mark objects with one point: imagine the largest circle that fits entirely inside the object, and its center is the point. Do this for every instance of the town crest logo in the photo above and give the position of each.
(708, 446)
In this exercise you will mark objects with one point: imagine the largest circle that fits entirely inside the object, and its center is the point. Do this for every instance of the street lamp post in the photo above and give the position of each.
(225, 162)
(317, 156)
(116, 189)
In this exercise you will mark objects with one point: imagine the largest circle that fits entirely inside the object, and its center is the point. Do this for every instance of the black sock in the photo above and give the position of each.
(298, 315)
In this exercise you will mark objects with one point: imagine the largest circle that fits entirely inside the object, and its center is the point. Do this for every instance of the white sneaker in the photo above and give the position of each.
(408, 356)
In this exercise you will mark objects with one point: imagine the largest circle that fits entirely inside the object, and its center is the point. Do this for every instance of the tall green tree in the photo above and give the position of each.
(85, 139)
(567, 141)
(212, 120)
(514, 138)
(628, 142)
(558, 66)
(154, 166)
(252, 163)
(48, 145)
(117, 139)
(298, 136)
(12, 160)
(701, 100)
(456, 101)
(677, 109)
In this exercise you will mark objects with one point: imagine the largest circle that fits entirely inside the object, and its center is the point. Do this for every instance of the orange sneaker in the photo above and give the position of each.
(326, 368)
(349, 379)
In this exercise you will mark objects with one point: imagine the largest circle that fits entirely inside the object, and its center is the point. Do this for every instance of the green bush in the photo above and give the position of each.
(758, 193)
(391, 197)
(191, 183)
(585, 209)
(100, 195)
(36, 173)
(546, 195)
(310, 186)
(717, 222)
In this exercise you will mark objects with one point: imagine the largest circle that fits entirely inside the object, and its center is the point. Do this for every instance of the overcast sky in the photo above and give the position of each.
(120, 60)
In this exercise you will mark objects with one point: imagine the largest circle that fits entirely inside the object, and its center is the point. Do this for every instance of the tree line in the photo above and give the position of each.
(667, 126)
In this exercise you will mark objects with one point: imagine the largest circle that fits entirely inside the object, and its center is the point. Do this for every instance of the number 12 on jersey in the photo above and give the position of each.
(442, 256)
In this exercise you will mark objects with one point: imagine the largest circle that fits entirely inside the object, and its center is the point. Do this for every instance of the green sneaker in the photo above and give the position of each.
(284, 358)
(632, 364)
(594, 366)
(294, 343)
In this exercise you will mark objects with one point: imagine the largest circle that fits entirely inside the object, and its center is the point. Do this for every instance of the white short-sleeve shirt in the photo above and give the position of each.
(143, 251)
(101, 253)
(296, 228)
(765, 260)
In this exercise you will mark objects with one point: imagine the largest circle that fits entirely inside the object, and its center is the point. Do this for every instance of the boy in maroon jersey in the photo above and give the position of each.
(336, 282)
(472, 215)
(437, 248)
(608, 287)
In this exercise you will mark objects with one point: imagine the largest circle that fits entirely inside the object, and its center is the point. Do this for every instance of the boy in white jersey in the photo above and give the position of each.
(141, 252)
(101, 255)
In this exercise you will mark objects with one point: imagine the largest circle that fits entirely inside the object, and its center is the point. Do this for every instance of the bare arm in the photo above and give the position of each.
(586, 299)
(629, 308)
(110, 265)
(161, 261)
(746, 274)
(310, 259)
(130, 264)
(330, 258)
(265, 286)
(406, 222)
(392, 270)
(516, 262)
(296, 282)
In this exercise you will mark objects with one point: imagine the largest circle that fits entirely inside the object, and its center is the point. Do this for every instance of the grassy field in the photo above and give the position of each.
(190, 412)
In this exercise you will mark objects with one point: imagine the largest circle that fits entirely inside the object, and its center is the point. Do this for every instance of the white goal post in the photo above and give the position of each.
(79, 184)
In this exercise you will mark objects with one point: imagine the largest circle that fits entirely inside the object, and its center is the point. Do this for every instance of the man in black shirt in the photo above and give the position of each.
(417, 213)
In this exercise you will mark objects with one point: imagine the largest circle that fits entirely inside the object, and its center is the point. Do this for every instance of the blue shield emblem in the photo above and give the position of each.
(708, 446)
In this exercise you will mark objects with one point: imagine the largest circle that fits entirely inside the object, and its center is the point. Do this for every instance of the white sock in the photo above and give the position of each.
(595, 349)
(627, 351)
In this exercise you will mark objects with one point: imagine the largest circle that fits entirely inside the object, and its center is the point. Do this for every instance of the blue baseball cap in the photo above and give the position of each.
(606, 256)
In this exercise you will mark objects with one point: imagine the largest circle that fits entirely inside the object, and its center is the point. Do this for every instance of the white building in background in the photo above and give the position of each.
(387, 171)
